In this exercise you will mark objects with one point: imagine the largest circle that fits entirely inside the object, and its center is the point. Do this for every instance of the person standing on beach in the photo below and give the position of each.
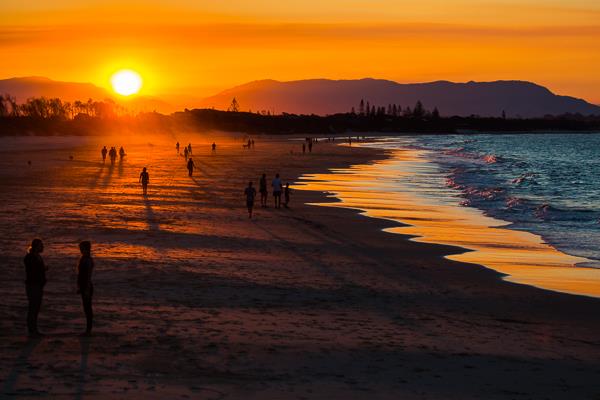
(144, 179)
(214, 147)
(263, 190)
(310, 146)
(121, 153)
(190, 166)
(84, 283)
(250, 193)
(185, 153)
(177, 147)
(189, 149)
(286, 195)
(276, 184)
(35, 280)
(104, 152)
(303, 148)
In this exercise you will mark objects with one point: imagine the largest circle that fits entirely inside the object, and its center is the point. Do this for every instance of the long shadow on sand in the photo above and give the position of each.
(19, 367)
(108, 176)
(150, 216)
(96, 179)
(83, 366)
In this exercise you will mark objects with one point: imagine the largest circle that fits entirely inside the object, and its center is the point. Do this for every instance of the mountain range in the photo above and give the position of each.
(324, 96)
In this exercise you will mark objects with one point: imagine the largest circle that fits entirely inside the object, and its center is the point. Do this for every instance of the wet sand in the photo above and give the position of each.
(193, 300)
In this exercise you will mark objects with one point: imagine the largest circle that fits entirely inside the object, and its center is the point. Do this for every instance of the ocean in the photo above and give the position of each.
(548, 184)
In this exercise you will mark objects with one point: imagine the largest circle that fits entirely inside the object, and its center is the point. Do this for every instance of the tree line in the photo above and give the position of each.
(55, 108)
(366, 109)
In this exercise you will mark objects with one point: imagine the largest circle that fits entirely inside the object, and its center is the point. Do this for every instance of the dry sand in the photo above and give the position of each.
(193, 300)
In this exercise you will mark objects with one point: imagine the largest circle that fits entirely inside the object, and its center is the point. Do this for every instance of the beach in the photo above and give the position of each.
(194, 300)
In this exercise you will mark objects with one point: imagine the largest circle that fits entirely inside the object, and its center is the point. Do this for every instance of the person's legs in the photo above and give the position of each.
(34, 296)
(87, 309)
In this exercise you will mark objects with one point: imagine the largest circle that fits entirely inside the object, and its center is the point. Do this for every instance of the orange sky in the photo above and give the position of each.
(195, 48)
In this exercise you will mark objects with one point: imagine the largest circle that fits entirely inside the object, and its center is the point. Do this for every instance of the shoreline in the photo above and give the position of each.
(195, 300)
(523, 257)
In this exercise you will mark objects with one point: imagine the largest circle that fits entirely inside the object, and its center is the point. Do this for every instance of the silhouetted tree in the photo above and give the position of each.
(3, 107)
(234, 106)
(418, 111)
(352, 111)
(361, 107)
(435, 114)
(503, 114)
(368, 109)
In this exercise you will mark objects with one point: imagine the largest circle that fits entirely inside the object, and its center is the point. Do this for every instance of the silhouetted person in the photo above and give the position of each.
(144, 179)
(84, 283)
(303, 148)
(263, 190)
(214, 147)
(104, 151)
(310, 146)
(349, 141)
(177, 147)
(250, 193)
(113, 155)
(185, 153)
(252, 143)
(35, 280)
(189, 149)
(121, 153)
(276, 184)
(286, 195)
(190, 167)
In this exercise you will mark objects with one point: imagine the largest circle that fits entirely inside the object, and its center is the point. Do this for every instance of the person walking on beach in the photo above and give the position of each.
(276, 184)
(35, 280)
(84, 283)
(310, 146)
(113, 155)
(177, 147)
(121, 153)
(104, 152)
(214, 147)
(185, 153)
(263, 190)
(189, 147)
(144, 179)
(286, 195)
(250, 193)
(190, 166)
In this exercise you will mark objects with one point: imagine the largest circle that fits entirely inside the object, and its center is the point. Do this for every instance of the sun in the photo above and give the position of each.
(126, 82)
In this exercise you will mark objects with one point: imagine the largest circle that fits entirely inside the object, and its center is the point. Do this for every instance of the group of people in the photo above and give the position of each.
(187, 150)
(112, 153)
(278, 189)
(35, 280)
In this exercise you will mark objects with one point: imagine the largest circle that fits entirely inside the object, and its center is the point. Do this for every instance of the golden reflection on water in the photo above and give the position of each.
(381, 190)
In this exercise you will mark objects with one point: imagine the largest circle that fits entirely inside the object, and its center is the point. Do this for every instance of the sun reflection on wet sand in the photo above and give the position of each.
(385, 190)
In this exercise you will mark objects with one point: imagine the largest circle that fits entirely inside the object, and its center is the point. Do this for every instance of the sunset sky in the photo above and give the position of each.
(195, 48)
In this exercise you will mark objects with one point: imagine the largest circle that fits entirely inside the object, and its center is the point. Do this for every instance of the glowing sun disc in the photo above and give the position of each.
(126, 82)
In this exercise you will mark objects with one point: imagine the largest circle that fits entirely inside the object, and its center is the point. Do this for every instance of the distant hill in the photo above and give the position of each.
(323, 96)
(36, 86)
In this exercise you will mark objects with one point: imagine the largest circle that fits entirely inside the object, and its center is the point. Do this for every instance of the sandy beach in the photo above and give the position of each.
(193, 300)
